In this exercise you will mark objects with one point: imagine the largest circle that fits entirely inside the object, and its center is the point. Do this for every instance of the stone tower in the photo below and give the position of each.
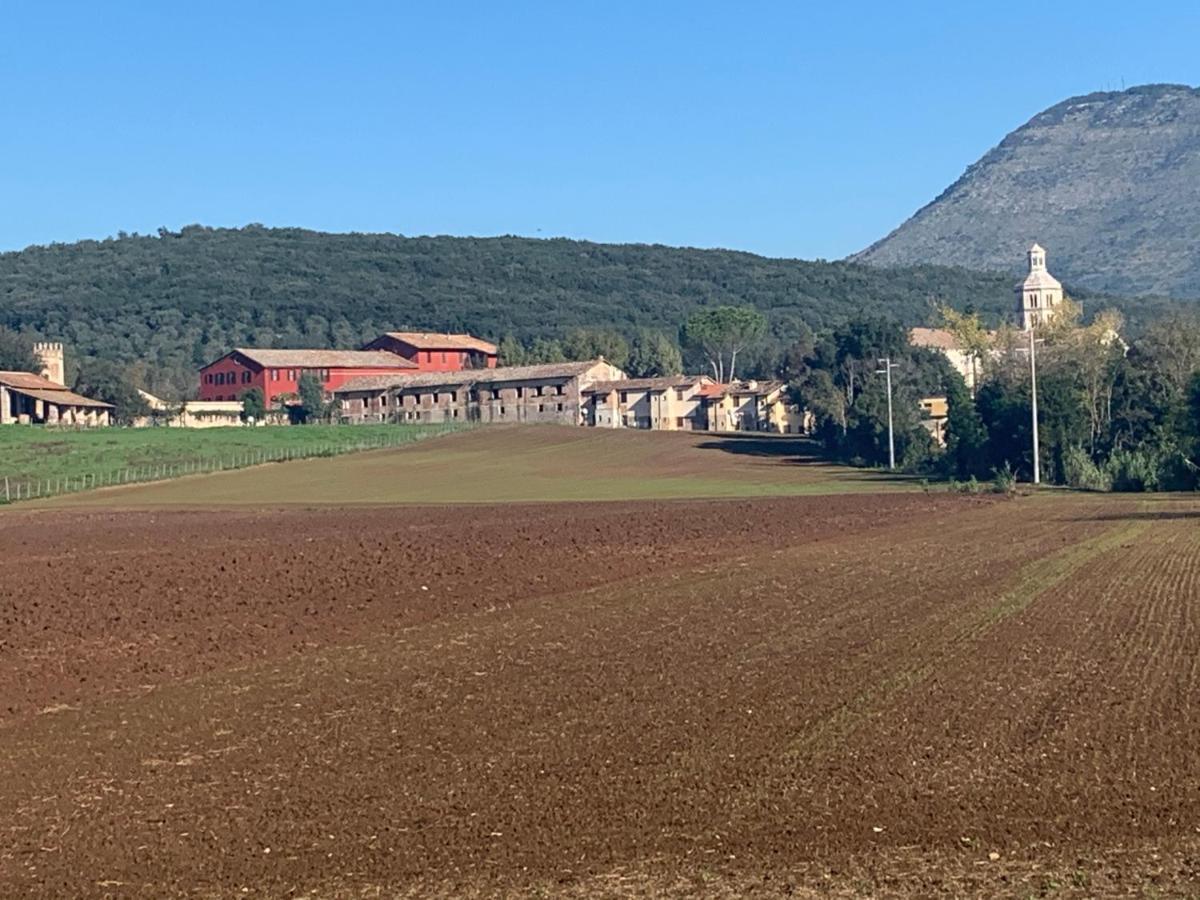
(51, 358)
(1040, 295)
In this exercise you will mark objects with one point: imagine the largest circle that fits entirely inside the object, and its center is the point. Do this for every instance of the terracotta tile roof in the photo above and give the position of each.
(28, 381)
(63, 397)
(499, 375)
(40, 388)
(934, 338)
(324, 359)
(423, 340)
(740, 389)
(647, 384)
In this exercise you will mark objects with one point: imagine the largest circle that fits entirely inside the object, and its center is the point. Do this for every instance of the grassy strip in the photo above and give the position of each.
(43, 462)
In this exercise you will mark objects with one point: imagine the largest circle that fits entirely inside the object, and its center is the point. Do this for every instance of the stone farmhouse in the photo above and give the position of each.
(550, 393)
(27, 398)
(592, 393)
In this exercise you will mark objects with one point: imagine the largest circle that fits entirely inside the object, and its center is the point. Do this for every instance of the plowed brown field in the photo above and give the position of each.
(898, 695)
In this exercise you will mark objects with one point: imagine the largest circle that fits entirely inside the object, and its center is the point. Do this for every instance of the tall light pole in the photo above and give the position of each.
(1032, 351)
(888, 365)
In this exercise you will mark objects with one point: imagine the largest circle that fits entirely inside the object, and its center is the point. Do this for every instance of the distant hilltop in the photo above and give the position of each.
(1110, 181)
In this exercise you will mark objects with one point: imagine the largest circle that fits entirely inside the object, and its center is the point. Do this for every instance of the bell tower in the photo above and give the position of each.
(1040, 295)
(50, 355)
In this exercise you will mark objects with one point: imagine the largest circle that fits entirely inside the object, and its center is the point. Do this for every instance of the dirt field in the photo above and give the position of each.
(502, 464)
(897, 695)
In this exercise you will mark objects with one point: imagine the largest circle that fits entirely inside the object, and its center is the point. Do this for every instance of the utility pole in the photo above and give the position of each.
(1032, 351)
(1037, 456)
(888, 365)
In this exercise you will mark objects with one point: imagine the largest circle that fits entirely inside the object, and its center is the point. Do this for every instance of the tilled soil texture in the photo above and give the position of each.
(897, 695)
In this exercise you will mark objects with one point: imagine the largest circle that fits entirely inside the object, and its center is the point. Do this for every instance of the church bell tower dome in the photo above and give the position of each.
(1040, 295)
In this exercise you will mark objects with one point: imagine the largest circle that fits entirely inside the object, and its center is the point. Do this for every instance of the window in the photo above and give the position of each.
(541, 407)
(364, 402)
(274, 374)
(679, 422)
(443, 356)
(624, 396)
(559, 390)
(680, 393)
(246, 377)
(560, 407)
(383, 400)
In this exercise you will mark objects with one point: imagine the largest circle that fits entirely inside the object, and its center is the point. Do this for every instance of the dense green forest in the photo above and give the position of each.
(168, 303)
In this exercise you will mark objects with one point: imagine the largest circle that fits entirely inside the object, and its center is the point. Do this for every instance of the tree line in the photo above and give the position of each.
(161, 306)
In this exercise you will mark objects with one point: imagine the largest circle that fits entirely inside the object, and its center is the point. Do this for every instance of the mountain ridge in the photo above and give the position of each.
(1108, 182)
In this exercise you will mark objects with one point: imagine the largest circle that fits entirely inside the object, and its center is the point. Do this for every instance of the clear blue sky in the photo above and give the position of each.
(783, 128)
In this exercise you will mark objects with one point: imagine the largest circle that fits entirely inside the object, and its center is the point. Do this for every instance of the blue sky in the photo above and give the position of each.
(788, 129)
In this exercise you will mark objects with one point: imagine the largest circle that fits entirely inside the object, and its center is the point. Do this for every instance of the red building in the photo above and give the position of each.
(277, 372)
(438, 352)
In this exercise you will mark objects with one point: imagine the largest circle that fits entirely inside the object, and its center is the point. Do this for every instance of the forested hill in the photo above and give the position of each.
(179, 299)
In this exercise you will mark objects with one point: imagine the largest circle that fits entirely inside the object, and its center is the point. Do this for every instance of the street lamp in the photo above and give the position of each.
(888, 365)
(1032, 351)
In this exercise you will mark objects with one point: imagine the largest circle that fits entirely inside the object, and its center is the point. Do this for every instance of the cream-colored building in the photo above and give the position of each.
(192, 414)
(752, 406)
(1040, 295)
(670, 403)
(947, 344)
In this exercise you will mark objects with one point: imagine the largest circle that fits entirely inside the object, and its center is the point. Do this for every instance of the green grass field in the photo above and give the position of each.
(53, 460)
(528, 463)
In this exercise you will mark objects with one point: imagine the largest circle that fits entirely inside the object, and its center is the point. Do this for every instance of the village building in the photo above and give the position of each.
(935, 413)
(190, 414)
(277, 373)
(751, 406)
(1040, 294)
(29, 399)
(944, 342)
(670, 403)
(549, 393)
(438, 352)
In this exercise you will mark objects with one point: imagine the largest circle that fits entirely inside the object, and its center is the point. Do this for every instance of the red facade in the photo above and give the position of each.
(277, 372)
(438, 352)
(232, 375)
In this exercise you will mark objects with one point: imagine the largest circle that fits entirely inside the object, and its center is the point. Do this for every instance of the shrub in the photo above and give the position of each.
(1081, 473)
(1004, 481)
(1134, 471)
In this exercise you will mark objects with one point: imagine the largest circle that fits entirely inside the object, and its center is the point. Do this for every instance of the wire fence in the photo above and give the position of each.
(14, 489)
